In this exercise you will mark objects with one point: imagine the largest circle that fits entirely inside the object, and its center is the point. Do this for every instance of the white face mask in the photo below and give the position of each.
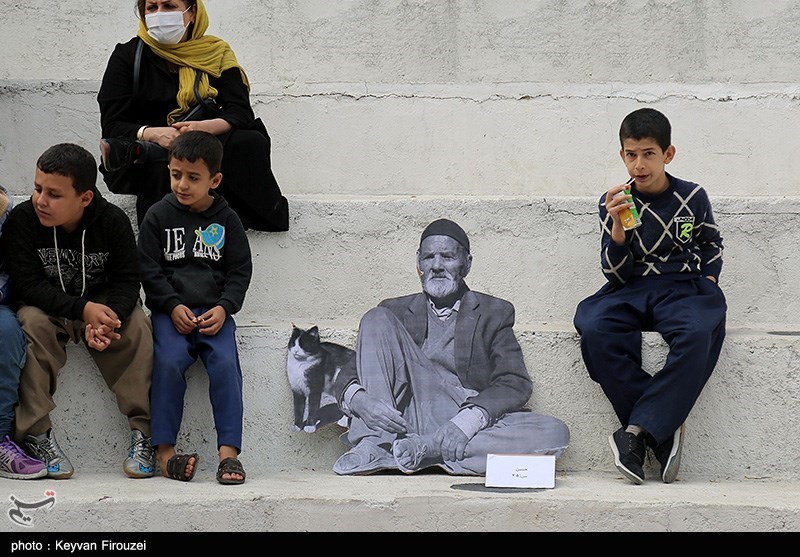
(166, 27)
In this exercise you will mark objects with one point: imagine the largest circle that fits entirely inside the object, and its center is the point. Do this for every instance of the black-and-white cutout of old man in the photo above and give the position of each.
(439, 377)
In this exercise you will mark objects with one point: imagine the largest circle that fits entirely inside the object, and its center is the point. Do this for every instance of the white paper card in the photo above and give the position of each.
(520, 470)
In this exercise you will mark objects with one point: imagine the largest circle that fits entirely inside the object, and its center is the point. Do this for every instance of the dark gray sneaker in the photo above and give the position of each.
(629, 451)
(44, 447)
(668, 455)
(141, 459)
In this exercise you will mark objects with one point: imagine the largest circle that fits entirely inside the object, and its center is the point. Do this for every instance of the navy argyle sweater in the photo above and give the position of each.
(678, 236)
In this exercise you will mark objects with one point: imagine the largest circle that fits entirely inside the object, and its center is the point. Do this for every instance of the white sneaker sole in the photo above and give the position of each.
(16, 476)
(674, 459)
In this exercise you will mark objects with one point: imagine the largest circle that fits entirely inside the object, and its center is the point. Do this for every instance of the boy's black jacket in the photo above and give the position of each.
(99, 259)
(192, 271)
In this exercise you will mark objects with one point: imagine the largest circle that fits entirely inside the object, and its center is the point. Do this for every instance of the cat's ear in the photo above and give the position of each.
(314, 331)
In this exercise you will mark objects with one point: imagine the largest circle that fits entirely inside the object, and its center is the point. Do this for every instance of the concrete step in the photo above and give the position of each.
(342, 255)
(444, 98)
(480, 42)
(737, 430)
(450, 136)
(320, 501)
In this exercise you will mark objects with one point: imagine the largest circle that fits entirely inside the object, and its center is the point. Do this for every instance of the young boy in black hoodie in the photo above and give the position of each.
(72, 257)
(195, 260)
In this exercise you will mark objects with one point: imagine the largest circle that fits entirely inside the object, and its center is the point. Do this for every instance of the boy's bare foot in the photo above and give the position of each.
(175, 466)
(226, 451)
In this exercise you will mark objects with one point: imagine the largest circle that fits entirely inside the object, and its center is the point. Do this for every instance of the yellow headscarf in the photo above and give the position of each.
(206, 53)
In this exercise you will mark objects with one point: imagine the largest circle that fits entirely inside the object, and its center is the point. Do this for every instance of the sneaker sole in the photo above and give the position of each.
(18, 476)
(621, 467)
(674, 461)
(138, 475)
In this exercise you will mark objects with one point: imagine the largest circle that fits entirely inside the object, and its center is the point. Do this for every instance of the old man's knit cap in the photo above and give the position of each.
(444, 227)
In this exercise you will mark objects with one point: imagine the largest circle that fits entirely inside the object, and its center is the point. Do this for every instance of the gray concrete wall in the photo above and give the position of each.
(342, 256)
(452, 97)
(445, 41)
(502, 115)
(737, 430)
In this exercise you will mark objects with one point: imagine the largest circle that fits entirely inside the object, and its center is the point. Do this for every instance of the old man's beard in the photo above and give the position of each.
(440, 286)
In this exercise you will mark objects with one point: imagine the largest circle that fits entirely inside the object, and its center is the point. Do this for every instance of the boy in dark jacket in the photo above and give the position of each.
(661, 276)
(195, 260)
(72, 257)
(14, 463)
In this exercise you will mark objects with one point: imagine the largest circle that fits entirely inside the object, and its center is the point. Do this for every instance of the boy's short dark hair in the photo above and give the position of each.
(646, 122)
(192, 146)
(72, 161)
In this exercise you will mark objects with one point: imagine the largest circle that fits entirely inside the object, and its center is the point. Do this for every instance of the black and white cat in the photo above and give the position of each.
(312, 366)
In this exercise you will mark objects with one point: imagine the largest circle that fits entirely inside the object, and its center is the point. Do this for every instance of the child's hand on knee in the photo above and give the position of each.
(212, 321)
(183, 319)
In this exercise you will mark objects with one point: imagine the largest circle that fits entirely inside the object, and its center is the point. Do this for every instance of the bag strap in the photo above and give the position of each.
(198, 75)
(137, 67)
(137, 70)
(209, 103)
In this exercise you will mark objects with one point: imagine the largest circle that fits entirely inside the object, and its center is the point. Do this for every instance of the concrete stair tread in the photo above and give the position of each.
(343, 254)
(735, 431)
(313, 500)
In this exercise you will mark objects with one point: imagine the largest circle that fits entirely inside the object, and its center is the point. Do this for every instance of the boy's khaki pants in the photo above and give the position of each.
(126, 366)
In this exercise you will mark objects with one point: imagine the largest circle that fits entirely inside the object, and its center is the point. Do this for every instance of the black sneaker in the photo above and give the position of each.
(668, 455)
(629, 451)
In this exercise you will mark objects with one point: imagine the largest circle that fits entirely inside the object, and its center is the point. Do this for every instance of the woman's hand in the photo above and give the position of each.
(163, 136)
(215, 126)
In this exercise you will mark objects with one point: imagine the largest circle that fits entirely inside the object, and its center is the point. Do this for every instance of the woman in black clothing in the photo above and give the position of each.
(182, 80)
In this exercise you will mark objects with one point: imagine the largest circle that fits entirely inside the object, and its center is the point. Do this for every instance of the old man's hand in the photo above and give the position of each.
(377, 413)
(451, 441)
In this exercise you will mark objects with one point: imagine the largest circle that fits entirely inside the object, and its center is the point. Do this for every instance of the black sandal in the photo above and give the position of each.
(176, 466)
(230, 465)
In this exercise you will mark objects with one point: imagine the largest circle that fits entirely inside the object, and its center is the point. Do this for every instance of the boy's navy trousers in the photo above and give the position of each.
(690, 316)
(173, 354)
